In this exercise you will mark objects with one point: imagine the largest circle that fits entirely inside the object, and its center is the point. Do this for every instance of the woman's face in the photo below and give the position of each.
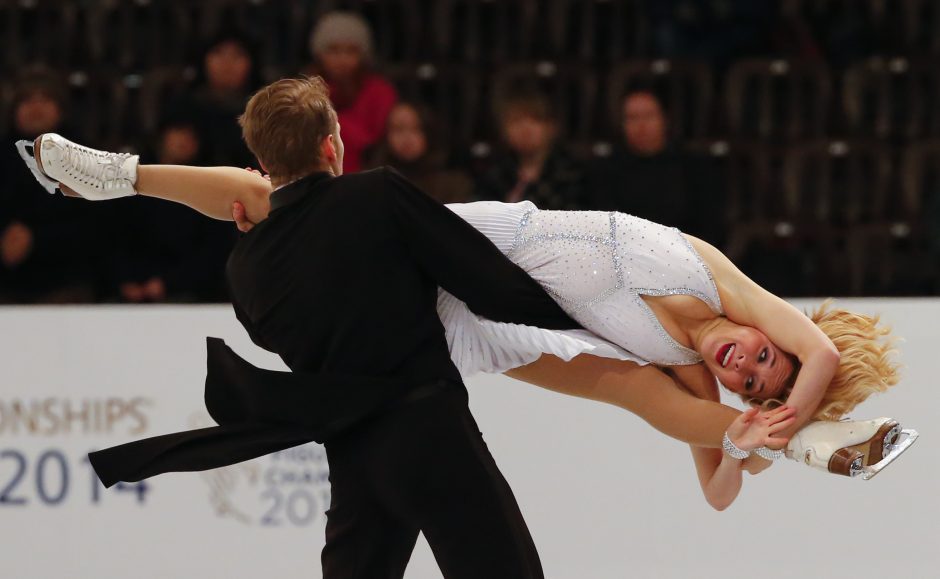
(228, 66)
(745, 361)
(406, 138)
(341, 61)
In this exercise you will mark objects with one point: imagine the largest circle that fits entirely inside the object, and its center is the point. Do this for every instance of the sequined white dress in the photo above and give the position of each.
(597, 265)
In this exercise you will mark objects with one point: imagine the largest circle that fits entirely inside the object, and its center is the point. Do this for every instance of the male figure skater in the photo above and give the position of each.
(341, 281)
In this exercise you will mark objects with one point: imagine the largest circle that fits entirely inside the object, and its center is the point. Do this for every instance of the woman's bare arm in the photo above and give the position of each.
(209, 190)
(701, 383)
(664, 403)
(718, 473)
(719, 476)
(794, 332)
(748, 304)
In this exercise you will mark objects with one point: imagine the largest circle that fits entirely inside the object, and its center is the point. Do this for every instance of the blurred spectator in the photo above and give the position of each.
(228, 75)
(169, 252)
(411, 146)
(47, 243)
(341, 45)
(534, 166)
(647, 176)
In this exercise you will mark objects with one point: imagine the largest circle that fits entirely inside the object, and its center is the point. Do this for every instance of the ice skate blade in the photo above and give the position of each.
(907, 437)
(24, 148)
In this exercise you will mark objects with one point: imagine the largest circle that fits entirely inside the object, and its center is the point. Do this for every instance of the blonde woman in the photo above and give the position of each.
(667, 317)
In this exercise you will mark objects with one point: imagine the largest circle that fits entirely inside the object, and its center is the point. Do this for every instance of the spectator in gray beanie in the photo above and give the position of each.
(341, 46)
(342, 27)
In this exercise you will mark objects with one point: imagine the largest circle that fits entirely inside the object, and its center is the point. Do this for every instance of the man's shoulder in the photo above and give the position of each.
(378, 180)
(360, 186)
(377, 174)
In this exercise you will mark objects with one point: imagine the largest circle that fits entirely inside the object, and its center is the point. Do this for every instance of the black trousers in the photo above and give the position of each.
(423, 466)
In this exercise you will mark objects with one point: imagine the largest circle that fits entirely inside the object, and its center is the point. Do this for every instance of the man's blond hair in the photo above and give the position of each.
(285, 123)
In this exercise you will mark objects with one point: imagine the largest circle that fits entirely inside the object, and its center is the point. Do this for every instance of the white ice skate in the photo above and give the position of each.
(92, 174)
(851, 448)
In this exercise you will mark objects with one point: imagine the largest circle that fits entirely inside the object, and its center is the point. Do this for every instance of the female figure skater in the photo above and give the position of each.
(667, 314)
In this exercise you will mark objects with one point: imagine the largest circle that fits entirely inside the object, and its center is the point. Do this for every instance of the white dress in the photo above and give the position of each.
(596, 265)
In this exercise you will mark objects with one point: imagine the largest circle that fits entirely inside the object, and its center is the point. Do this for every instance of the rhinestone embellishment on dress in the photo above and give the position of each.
(578, 246)
(585, 258)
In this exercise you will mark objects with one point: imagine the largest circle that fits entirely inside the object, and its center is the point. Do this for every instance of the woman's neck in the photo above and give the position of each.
(684, 317)
(699, 329)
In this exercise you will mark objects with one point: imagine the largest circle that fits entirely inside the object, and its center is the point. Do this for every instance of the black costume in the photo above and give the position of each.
(341, 281)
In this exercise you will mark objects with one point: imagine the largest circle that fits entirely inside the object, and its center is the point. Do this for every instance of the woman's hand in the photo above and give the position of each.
(754, 429)
(239, 213)
(240, 217)
(258, 173)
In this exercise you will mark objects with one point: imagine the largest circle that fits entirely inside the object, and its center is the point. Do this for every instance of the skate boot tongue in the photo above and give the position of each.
(25, 149)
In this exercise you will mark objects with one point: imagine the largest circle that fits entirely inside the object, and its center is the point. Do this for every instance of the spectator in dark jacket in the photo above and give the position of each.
(49, 245)
(413, 147)
(171, 253)
(534, 166)
(647, 176)
(228, 75)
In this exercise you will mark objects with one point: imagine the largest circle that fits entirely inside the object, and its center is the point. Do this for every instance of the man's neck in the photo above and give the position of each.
(280, 182)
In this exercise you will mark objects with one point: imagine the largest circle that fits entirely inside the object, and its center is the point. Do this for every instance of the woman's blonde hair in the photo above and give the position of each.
(866, 366)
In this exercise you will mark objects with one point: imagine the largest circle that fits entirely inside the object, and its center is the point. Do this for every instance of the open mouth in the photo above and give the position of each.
(723, 356)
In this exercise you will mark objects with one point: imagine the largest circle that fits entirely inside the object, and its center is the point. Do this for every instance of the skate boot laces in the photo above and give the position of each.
(96, 166)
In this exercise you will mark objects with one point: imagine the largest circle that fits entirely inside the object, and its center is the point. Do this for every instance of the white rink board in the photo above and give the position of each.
(605, 496)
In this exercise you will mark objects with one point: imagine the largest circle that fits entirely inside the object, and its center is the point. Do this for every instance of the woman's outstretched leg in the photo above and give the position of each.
(643, 390)
(99, 175)
(209, 190)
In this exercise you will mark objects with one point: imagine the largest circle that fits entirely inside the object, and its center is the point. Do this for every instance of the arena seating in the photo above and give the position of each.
(832, 152)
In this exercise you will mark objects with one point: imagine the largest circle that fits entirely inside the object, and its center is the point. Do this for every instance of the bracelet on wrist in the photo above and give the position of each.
(732, 450)
(769, 454)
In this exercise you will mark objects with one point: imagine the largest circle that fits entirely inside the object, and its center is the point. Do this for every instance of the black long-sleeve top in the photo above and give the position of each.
(343, 277)
(341, 281)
